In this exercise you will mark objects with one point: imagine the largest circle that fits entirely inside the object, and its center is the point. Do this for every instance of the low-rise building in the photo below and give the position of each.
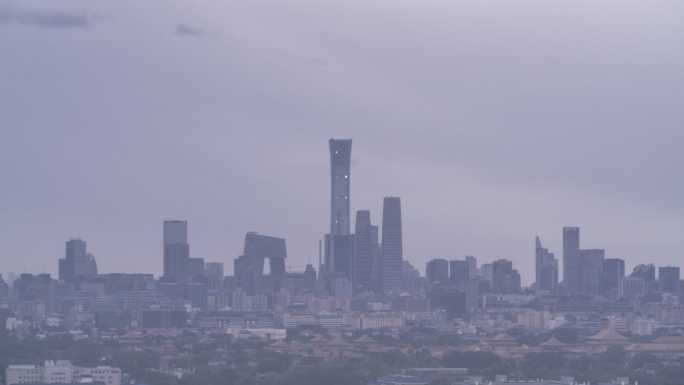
(61, 372)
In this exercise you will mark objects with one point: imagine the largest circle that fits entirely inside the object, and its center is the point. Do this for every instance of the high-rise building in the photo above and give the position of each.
(437, 271)
(571, 259)
(546, 268)
(340, 180)
(591, 271)
(645, 272)
(338, 242)
(365, 250)
(633, 287)
(613, 274)
(249, 267)
(214, 273)
(505, 280)
(176, 251)
(195, 269)
(411, 281)
(392, 245)
(648, 274)
(77, 262)
(472, 266)
(459, 272)
(341, 250)
(668, 279)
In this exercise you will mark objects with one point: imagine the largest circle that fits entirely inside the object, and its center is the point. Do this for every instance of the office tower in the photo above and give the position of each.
(249, 267)
(437, 271)
(338, 243)
(472, 266)
(341, 255)
(546, 268)
(196, 269)
(668, 279)
(176, 251)
(392, 246)
(39, 287)
(648, 274)
(340, 179)
(591, 270)
(505, 280)
(633, 287)
(214, 273)
(613, 274)
(571, 259)
(364, 251)
(645, 272)
(77, 262)
(487, 272)
(376, 284)
(459, 272)
(410, 278)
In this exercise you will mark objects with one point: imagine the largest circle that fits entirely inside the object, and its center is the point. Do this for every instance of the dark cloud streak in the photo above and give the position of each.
(43, 19)
(188, 31)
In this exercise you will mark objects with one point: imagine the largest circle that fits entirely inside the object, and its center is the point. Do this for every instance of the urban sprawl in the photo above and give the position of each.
(362, 315)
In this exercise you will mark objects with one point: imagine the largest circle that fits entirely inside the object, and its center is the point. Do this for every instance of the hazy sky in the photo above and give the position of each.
(493, 120)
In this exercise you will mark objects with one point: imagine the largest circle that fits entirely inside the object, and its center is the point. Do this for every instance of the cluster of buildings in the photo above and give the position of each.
(61, 372)
(361, 282)
(428, 376)
(368, 261)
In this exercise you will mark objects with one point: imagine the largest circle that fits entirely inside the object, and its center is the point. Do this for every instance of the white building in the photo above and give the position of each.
(270, 334)
(376, 321)
(61, 372)
(643, 327)
(23, 374)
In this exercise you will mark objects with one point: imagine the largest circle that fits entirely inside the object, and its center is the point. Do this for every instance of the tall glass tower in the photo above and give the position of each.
(340, 179)
(572, 269)
(392, 245)
(176, 250)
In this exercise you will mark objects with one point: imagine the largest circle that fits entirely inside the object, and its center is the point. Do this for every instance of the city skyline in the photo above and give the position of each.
(582, 270)
(350, 192)
(495, 133)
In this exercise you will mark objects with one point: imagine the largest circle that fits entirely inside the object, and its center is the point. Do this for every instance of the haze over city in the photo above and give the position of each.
(493, 121)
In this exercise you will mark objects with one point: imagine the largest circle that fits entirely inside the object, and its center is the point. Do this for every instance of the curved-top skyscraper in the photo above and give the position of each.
(340, 179)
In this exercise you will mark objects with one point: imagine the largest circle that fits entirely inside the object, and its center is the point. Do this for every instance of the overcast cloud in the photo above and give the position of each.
(494, 121)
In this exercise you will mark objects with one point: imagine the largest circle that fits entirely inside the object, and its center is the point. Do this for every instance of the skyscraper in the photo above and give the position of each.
(340, 180)
(546, 268)
(459, 272)
(668, 279)
(249, 267)
(77, 262)
(591, 271)
(339, 242)
(613, 274)
(571, 259)
(364, 251)
(437, 271)
(392, 245)
(214, 274)
(472, 266)
(176, 251)
(505, 279)
(648, 274)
